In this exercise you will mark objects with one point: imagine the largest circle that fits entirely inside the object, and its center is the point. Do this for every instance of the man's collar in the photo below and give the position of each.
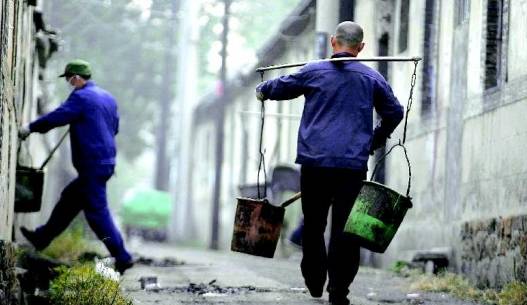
(88, 83)
(342, 54)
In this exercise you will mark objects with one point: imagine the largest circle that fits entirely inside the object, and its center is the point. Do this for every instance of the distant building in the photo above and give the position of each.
(466, 133)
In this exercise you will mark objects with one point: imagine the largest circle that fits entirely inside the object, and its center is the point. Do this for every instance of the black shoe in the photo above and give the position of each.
(33, 239)
(338, 300)
(121, 267)
(315, 289)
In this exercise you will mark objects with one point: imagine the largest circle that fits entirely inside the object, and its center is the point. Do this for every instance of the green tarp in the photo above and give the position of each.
(148, 209)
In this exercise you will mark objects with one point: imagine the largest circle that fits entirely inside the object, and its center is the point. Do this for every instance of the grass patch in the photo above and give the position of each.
(69, 245)
(81, 285)
(449, 283)
(401, 268)
(514, 293)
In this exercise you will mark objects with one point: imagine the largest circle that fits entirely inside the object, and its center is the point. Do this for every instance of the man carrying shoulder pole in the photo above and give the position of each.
(335, 139)
(92, 115)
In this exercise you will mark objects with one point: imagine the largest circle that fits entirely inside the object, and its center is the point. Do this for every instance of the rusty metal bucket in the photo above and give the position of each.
(257, 226)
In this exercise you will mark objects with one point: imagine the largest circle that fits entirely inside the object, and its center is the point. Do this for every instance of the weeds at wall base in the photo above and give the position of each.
(514, 293)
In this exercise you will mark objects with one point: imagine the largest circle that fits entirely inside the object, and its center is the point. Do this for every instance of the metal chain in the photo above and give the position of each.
(261, 165)
(381, 159)
(401, 144)
(410, 99)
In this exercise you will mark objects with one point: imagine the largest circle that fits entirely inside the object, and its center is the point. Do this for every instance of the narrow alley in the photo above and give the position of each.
(206, 277)
(142, 140)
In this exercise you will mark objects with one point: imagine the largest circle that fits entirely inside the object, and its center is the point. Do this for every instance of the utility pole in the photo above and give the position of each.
(182, 223)
(162, 174)
(220, 119)
(327, 18)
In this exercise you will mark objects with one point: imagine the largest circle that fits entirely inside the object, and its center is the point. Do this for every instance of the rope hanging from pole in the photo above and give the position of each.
(261, 164)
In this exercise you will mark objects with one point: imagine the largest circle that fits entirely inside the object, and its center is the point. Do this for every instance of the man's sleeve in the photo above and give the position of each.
(284, 87)
(65, 114)
(389, 109)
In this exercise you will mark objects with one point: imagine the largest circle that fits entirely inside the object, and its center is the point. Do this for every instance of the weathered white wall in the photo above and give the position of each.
(518, 41)
(483, 165)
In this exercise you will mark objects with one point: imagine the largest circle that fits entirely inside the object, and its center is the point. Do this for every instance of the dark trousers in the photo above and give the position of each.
(322, 188)
(87, 193)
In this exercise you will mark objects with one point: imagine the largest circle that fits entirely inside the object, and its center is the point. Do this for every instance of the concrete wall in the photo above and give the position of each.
(467, 157)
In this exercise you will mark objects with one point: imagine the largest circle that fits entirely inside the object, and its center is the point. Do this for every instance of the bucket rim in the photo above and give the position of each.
(377, 184)
(263, 200)
(27, 169)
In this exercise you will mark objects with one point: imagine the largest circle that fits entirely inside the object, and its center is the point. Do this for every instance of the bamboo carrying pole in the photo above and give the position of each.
(339, 59)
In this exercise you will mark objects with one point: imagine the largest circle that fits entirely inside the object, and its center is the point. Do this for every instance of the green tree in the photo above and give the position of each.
(125, 44)
(256, 21)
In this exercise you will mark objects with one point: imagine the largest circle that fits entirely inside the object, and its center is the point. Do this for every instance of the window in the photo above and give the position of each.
(462, 11)
(429, 66)
(346, 10)
(3, 29)
(403, 25)
(493, 50)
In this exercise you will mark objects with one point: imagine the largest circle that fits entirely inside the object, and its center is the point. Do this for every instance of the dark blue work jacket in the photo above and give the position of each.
(336, 129)
(92, 115)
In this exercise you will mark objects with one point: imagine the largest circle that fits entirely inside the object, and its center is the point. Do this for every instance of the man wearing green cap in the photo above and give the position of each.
(92, 115)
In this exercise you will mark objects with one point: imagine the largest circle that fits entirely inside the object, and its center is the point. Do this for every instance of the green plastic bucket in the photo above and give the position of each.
(378, 211)
(376, 215)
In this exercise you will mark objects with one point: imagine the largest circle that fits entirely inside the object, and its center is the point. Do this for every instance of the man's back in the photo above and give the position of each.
(93, 133)
(337, 122)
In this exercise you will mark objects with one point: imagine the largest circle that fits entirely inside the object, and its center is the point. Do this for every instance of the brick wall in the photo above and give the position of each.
(17, 80)
(494, 251)
(8, 283)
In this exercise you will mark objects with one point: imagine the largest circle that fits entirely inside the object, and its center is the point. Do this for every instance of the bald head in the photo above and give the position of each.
(349, 34)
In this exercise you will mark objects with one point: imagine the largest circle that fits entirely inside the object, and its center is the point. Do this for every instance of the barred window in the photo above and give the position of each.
(404, 13)
(429, 65)
(493, 50)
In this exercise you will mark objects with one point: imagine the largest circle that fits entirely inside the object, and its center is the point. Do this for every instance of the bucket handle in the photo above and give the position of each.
(294, 198)
(54, 149)
(382, 159)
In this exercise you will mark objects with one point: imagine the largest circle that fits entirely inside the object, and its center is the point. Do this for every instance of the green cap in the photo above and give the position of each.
(78, 67)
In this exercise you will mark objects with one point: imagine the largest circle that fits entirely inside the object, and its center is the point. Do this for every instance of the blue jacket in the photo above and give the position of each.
(336, 129)
(92, 115)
